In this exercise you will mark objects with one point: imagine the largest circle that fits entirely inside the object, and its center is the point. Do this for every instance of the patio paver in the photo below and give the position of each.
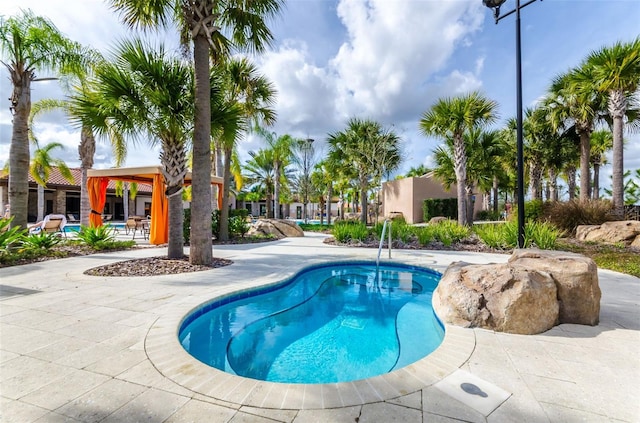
(96, 349)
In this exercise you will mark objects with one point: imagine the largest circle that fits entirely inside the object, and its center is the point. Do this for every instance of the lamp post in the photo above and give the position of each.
(306, 167)
(495, 5)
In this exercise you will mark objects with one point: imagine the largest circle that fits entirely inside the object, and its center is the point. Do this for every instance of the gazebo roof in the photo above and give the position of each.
(143, 174)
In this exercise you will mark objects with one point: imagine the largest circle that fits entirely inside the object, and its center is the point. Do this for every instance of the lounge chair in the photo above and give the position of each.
(72, 218)
(52, 223)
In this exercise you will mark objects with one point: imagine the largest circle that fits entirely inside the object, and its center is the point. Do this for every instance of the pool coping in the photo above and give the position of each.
(169, 357)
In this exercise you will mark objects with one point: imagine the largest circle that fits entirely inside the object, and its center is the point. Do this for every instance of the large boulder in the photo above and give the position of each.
(277, 228)
(625, 231)
(532, 292)
(498, 297)
(576, 278)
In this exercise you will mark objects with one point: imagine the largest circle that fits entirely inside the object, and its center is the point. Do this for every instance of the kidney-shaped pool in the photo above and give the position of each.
(334, 322)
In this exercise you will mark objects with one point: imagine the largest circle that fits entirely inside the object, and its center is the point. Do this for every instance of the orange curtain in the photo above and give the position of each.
(159, 229)
(220, 194)
(97, 188)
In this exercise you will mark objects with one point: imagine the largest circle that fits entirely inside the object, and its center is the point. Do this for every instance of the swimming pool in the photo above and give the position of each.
(75, 227)
(329, 323)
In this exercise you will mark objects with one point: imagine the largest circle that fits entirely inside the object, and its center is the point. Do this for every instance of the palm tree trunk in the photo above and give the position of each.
(125, 200)
(276, 190)
(585, 168)
(553, 185)
(363, 201)
(596, 181)
(86, 151)
(19, 150)
(175, 247)
(469, 196)
(535, 176)
(201, 246)
(329, 193)
(40, 203)
(495, 194)
(223, 222)
(460, 168)
(571, 181)
(617, 107)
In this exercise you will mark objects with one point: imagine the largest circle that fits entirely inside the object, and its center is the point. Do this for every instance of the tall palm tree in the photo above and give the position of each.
(616, 71)
(369, 150)
(601, 142)
(215, 28)
(40, 168)
(573, 101)
(260, 174)
(281, 147)
(30, 44)
(451, 118)
(484, 148)
(147, 94)
(245, 96)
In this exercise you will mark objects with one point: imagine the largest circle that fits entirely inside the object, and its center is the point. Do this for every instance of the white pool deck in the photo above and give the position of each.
(96, 349)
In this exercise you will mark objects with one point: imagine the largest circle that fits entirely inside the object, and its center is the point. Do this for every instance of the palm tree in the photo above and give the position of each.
(145, 93)
(451, 118)
(281, 147)
(420, 170)
(616, 70)
(369, 150)
(30, 44)
(245, 96)
(260, 174)
(214, 28)
(484, 150)
(601, 142)
(40, 169)
(574, 101)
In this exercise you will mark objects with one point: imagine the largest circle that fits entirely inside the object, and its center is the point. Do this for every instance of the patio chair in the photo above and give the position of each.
(52, 223)
(130, 225)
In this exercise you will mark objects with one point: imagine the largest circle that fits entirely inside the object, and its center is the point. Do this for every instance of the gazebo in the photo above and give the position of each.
(152, 175)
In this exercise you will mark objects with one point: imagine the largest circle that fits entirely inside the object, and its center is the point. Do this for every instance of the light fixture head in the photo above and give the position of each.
(493, 3)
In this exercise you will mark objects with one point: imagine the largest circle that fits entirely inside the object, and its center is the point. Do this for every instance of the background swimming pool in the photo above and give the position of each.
(329, 324)
(75, 227)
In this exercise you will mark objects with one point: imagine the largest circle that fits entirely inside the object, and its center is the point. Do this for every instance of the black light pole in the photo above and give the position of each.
(495, 5)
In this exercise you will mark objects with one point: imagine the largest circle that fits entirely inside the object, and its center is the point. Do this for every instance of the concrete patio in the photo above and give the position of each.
(77, 348)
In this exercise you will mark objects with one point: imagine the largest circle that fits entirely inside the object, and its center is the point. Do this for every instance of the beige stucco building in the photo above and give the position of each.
(407, 195)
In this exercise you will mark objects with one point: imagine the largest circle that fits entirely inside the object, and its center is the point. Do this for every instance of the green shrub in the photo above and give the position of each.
(350, 231)
(492, 235)
(10, 238)
(447, 207)
(96, 237)
(41, 241)
(425, 234)
(532, 210)
(449, 231)
(238, 225)
(543, 235)
(402, 232)
(567, 216)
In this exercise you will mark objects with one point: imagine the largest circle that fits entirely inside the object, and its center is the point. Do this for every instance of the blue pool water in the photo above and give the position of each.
(75, 227)
(329, 323)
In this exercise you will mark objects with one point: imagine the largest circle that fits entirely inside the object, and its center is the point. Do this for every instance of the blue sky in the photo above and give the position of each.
(387, 60)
